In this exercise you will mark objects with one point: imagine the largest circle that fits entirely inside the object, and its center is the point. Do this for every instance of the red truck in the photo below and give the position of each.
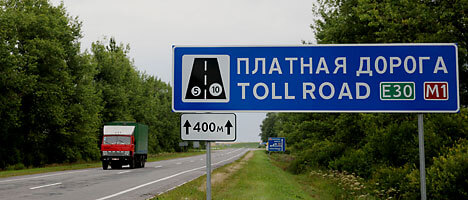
(124, 143)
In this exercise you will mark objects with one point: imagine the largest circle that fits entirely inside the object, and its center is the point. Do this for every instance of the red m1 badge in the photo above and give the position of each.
(435, 90)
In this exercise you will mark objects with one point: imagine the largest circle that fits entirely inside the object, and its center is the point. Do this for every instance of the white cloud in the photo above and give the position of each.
(152, 27)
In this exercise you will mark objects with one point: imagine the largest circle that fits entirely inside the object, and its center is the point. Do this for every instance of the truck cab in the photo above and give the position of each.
(124, 144)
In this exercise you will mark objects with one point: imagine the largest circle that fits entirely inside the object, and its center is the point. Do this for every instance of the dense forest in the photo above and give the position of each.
(54, 97)
(383, 148)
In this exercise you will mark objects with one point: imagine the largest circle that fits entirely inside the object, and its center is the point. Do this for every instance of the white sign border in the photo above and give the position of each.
(199, 113)
(324, 111)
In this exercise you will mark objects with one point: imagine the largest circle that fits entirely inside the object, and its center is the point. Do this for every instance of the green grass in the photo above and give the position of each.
(265, 177)
(323, 184)
(259, 178)
(84, 165)
(317, 187)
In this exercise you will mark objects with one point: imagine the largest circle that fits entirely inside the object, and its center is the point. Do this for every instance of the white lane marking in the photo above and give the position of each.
(143, 185)
(123, 172)
(192, 161)
(178, 163)
(33, 188)
(162, 179)
(20, 179)
(206, 65)
(201, 158)
(159, 166)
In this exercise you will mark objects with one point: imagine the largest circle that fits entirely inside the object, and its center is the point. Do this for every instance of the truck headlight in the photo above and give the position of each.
(127, 153)
(104, 153)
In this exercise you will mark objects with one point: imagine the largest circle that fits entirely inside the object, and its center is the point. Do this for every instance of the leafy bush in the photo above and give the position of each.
(346, 186)
(383, 149)
(447, 178)
(320, 154)
(389, 181)
(357, 161)
(17, 166)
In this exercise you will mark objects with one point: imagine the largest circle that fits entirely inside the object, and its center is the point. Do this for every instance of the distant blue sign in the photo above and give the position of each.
(277, 144)
(419, 78)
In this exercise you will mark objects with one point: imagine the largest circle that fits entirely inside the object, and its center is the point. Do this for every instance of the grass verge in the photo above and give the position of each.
(84, 165)
(254, 178)
(326, 184)
(49, 168)
(265, 177)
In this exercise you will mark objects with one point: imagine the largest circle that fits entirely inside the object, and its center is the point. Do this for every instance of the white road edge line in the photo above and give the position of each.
(33, 188)
(170, 189)
(159, 166)
(124, 172)
(177, 186)
(20, 179)
(162, 179)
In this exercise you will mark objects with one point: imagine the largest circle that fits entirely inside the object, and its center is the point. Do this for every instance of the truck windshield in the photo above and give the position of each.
(116, 140)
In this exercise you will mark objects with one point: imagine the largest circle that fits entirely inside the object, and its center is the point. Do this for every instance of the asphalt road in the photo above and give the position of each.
(96, 183)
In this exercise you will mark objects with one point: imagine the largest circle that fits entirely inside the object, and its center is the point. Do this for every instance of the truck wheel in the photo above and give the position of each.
(132, 163)
(136, 162)
(105, 164)
(142, 163)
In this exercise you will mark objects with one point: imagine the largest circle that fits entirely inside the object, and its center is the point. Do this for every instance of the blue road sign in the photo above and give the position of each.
(276, 144)
(399, 78)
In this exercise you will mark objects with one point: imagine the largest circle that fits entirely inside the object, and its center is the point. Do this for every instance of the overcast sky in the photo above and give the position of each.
(151, 27)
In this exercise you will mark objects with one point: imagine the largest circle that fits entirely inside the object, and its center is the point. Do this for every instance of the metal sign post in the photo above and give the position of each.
(422, 162)
(208, 170)
(208, 127)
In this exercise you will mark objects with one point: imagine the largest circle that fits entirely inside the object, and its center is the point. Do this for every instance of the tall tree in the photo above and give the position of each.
(46, 91)
(267, 127)
(388, 21)
(129, 95)
(117, 79)
(383, 147)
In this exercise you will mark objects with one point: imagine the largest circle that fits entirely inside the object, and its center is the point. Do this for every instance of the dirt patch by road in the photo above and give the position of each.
(220, 176)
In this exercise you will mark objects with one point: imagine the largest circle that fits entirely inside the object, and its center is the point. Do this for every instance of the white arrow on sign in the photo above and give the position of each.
(208, 127)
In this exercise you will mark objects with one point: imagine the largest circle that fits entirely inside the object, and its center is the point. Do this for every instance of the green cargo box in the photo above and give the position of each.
(140, 133)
